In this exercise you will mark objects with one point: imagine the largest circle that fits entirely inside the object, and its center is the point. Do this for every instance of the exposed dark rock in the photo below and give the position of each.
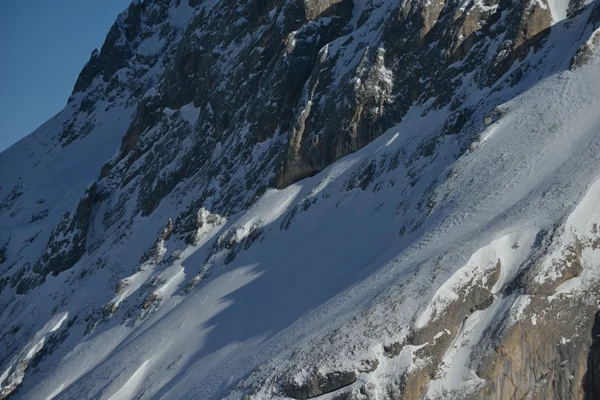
(52, 343)
(3, 247)
(115, 51)
(539, 357)
(369, 365)
(585, 52)
(166, 233)
(27, 283)
(67, 243)
(38, 216)
(150, 300)
(10, 199)
(591, 382)
(317, 384)
(566, 268)
(192, 222)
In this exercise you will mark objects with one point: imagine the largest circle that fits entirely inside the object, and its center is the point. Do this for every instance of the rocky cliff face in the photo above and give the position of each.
(342, 199)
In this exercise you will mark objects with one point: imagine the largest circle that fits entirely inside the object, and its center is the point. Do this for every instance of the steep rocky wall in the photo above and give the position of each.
(319, 81)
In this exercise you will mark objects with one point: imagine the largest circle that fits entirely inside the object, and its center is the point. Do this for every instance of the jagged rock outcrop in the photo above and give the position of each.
(117, 48)
(591, 383)
(320, 384)
(294, 62)
(67, 242)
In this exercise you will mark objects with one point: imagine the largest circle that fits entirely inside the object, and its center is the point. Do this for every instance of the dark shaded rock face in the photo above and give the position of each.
(67, 242)
(591, 383)
(319, 384)
(3, 252)
(115, 52)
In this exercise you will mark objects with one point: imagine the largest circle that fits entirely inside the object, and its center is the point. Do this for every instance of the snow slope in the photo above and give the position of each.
(276, 295)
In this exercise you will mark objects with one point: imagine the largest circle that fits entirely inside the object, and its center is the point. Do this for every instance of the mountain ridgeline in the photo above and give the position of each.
(330, 199)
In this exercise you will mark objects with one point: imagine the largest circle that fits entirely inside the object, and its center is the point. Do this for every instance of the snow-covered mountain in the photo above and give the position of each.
(331, 199)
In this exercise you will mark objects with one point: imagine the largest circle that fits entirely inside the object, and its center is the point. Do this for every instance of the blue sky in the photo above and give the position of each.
(43, 46)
